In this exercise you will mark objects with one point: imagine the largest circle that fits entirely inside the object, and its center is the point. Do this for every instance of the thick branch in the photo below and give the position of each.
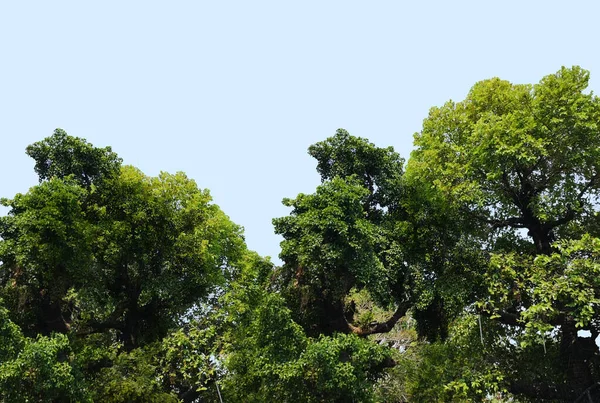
(112, 322)
(99, 327)
(513, 222)
(542, 390)
(591, 183)
(381, 327)
(569, 215)
(512, 319)
(511, 192)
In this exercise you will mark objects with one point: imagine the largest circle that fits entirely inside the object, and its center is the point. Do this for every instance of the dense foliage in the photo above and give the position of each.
(522, 162)
(468, 274)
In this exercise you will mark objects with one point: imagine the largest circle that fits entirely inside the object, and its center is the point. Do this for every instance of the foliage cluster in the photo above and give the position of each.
(469, 273)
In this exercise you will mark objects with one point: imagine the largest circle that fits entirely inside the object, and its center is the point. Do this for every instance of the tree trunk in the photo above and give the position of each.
(577, 356)
(50, 318)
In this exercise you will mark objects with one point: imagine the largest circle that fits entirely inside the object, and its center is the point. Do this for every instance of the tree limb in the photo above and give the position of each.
(588, 185)
(112, 322)
(514, 318)
(381, 327)
(99, 327)
(542, 390)
(569, 215)
(507, 318)
(513, 222)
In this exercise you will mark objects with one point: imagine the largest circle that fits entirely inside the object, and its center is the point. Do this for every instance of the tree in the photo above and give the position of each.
(102, 263)
(366, 227)
(131, 253)
(117, 286)
(368, 235)
(339, 238)
(521, 163)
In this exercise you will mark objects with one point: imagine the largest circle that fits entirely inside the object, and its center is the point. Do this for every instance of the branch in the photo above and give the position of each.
(99, 327)
(112, 322)
(514, 318)
(542, 390)
(507, 318)
(510, 191)
(514, 222)
(591, 183)
(381, 327)
(569, 215)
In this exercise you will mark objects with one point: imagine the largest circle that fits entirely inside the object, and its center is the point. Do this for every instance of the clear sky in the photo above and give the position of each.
(233, 92)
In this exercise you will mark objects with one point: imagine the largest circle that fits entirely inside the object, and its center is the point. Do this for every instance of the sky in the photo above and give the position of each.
(233, 92)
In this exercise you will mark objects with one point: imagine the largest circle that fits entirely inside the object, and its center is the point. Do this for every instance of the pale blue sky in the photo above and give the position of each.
(233, 92)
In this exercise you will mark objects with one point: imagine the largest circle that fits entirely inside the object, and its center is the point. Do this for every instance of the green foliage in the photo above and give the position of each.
(459, 369)
(131, 253)
(62, 155)
(379, 170)
(11, 338)
(269, 357)
(42, 371)
(332, 245)
(187, 358)
(508, 148)
(132, 377)
(343, 236)
(519, 165)
(341, 368)
(479, 266)
(45, 249)
(565, 282)
(99, 263)
(163, 241)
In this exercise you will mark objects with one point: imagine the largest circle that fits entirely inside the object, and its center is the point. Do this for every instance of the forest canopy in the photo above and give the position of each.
(469, 272)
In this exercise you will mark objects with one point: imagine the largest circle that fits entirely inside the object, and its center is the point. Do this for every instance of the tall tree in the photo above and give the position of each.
(522, 163)
(339, 238)
(367, 228)
(101, 264)
(130, 253)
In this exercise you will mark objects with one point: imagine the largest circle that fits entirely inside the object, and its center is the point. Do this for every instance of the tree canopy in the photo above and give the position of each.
(99, 249)
(521, 161)
(468, 273)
